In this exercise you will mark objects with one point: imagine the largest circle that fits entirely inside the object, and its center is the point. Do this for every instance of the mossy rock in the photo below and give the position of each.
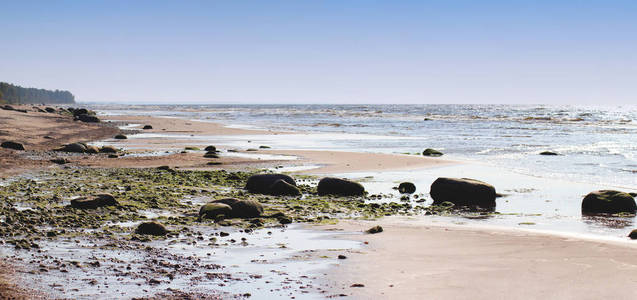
(214, 209)
(100, 200)
(242, 208)
(406, 188)
(608, 201)
(74, 148)
(339, 187)
(211, 155)
(282, 188)
(431, 152)
(192, 148)
(211, 148)
(151, 228)
(633, 234)
(262, 183)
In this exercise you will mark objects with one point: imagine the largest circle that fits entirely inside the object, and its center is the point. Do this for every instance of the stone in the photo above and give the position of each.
(120, 137)
(92, 149)
(60, 161)
(261, 183)
(339, 187)
(282, 188)
(12, 145)
(633, 234)
(74, 147)
(463, 192)
(151, 228)
(100, 200)
(431, 152)
(49, 109)
(406, 188)
(146, 127)
(108, 149)
(375, 229)
(211, 154)
(213, 210)
(608, 201)
(548, 153)
(242, 208)
(211, 148)
(88, 119)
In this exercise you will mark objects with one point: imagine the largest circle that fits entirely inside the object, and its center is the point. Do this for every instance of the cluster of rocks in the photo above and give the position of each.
(80, 147)
(83, 115)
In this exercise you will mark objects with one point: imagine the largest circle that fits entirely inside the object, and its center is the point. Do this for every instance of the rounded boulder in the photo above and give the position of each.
(339, 187)
(261, 183)
(608, 201)
(463, 192)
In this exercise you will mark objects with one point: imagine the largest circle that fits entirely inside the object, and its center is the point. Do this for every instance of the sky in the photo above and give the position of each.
(514, 52)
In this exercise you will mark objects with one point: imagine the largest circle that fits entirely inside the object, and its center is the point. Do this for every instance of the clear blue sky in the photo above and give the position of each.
(324, 51)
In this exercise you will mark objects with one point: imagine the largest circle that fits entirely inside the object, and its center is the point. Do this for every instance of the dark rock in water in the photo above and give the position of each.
(92, 149)
(88, 119)
(8, 107)
(214, 163)
(431, 152)
(146, 127)
(211, 154)
(406, 188)
(252, 150)
(548, 153)
(60, 161)
(74, 147)
(375, 229)
(49, 109)
(282, 188)
(242, 208)
(151, 228)
(213, 210)
(211, 149)
(341, 256)
(80, 111)
(463, 192)
(633, 234)
(120, 137)
(12, 145)
(608, 201)
(261, 183)
(339, 187)
(94, 202)
(108, 149)
(264, 147)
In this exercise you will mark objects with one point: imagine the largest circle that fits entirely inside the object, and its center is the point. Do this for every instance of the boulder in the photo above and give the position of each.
(92, 149)
(108, 149)
(282, 188)
(242, 208)
(608, 201)
(213, 210)
(88, 118)
(80, 111)
(463, 192)
(151, 228)
(7, 107)
(633, 234)
(60, 161)
(94, 202)
(74, 147)
(264, 147)
(261, 183)
(339, 187)
(375, 229)
(406, 188)
(49, 109)
(120, 137)
(146, 127)
(431, 152)
(211, 155)
(12, 145)
(211, 149)
(548, 153)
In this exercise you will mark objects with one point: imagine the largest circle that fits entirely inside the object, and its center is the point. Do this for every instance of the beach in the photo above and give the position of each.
(535, 245)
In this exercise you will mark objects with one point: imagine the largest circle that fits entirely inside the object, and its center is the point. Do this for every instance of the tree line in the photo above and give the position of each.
(14, 94)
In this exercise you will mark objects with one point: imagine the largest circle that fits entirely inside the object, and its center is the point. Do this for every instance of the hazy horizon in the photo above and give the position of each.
(358, 52)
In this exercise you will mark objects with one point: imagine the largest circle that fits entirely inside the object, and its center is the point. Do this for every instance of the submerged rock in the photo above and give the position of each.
(214, 209)
(282, 188)
(608, 201)
(94, 202)
(242, 208)
(146, 127)
(120, 137)
(633, 234)
(431, 152)
(463, 192)
(548, 153)
(340, 187)
(261, 183)
(406, 188)
(12, 145)
(151, 228)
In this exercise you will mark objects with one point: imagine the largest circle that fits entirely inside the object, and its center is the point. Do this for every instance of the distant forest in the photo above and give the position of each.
(14, 94)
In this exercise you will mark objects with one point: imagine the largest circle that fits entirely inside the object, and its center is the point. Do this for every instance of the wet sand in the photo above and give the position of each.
(410, 260)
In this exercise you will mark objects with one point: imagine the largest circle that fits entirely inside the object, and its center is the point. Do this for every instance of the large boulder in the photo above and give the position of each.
(12, 145)
(608, 201)
(463, 192)
(146, 127)
(88, 118)
(74, 147)
(406, 188)
(151, 228)
(120, 137)
(94, 202)
(242, 208)
(92, 149)
(261, 183)
(282, 188)
(108, 149)
(548, 153)
(80, 111)
(215, 209)
(431, 152)
(339, 187)
(211, 148)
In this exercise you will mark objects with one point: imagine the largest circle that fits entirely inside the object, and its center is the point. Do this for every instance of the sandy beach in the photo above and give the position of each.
(410, 259)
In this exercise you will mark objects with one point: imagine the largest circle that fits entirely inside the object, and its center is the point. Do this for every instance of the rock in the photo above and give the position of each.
(633, 194)
(74, 147)
(264, 147)
(49, 109)
(633, 234)
(60, 161)
(341, 256)
(463, 192)
(151, 228)
(166, 168)
(548, 153)
(284, 219)
(406, 188)
(213, 210)
(608, 201)
(251, 150)
(80, 111)
(375, 229)
(12, 145)
(88, 119)
(8, 107)
(214, 163)
(211, 155)
(94, 202)
(113, 156)
(340, 187)
(261, 183)
(211, 148)
(108, 149)
(92, 149)
(192, 148)
(146, 127)
(242, 208)
(431, 152)
(357, 285)
(120, 137)
(282, 188)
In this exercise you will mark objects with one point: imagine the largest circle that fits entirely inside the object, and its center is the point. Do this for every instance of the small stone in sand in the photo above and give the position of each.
(341, 256)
